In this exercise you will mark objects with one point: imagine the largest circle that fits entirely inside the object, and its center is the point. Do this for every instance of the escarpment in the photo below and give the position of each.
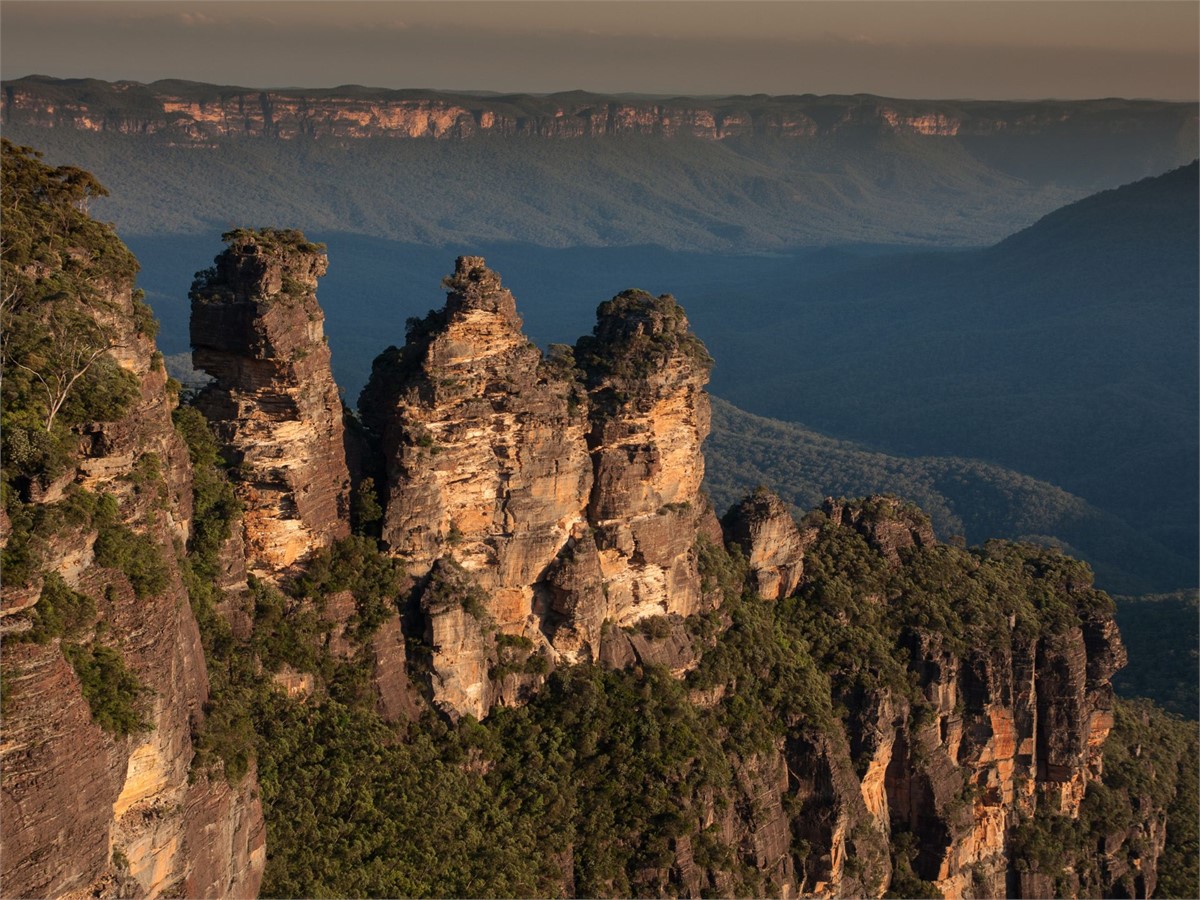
(201, 114)
(104, 675)
(1008, 701)
(257, 330)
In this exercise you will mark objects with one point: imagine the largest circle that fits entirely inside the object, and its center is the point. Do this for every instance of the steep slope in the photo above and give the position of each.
(969, 498)
(566, 169)
(104, 676)
(1067, 353)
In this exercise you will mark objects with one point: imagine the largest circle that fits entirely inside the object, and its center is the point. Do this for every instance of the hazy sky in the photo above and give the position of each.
(965, 48)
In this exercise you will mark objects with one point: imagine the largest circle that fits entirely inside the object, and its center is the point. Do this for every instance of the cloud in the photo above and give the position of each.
(198, 20)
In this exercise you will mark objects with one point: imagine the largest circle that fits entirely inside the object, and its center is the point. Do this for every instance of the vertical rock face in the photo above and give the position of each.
(774, 547)
(484, 446)
(645, 374)
(1020, 728)
(994, 732)
(569, 492)
(85, 808)
(257, 330)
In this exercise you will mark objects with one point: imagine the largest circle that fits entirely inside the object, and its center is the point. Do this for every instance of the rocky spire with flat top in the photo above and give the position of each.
(257, 329)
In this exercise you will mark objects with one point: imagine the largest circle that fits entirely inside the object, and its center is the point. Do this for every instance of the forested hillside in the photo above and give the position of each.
(728, 174)
(967, 498)
(1067, 353)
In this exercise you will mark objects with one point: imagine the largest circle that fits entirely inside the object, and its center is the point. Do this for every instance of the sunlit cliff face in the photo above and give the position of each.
(286, 116)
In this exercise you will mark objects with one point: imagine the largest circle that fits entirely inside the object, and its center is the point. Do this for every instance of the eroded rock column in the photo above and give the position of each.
(257, 329)
(649, 415)
(484, 445)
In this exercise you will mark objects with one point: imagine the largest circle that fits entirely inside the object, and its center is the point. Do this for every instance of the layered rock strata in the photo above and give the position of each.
(645, 373)
(257, 330)
(89, 811)
(203, 114)
(1000, 729)
(568, 492)
(484, 446)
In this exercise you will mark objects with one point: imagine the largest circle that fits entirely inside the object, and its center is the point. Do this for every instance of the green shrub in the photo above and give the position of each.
(60, 611)
(357, 565)
(136, 555)
(285, 631)
(365, 510)
(112, 692)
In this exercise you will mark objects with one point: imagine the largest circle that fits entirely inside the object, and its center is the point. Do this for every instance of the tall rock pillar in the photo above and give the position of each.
(257, 329)
(484, 445)
(645, 374)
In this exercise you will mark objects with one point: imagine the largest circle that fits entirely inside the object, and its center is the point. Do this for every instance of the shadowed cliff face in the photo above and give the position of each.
(996, 729)
(256, 329)
(100, 796)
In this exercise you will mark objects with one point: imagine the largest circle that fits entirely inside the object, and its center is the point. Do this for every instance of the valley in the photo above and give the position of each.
(479, 591)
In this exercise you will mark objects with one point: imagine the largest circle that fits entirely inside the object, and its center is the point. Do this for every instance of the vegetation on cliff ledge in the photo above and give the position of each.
(61, 275)
(590, 787)
(285, 247)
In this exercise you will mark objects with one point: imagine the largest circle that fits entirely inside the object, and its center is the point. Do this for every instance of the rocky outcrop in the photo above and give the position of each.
(890, 525)
(662, 641)
(645, 374)
(459, 637)
(90, 808)
(484, 447)
(567, 492)
(772, 544)
(997, 730)
(396, 698)
(257, 330)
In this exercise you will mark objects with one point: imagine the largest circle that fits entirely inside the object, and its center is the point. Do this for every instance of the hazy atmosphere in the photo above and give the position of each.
(982, 50)
(600, 449)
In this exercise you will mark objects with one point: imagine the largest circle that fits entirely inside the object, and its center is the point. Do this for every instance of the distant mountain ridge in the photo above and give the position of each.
(1067, 352)
(751, 173)
(198, 112)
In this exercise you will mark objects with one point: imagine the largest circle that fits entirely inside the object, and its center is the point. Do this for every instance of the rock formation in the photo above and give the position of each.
(257, 330)
(889, 525)
(484, 446)
(570, 496)
(89, 807)
(772, 544)
(645, 374)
